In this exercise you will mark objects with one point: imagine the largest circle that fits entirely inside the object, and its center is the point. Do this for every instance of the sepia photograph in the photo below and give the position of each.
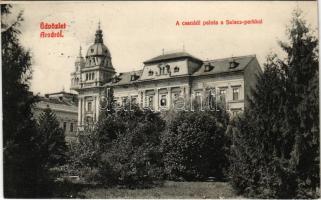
(160, 100)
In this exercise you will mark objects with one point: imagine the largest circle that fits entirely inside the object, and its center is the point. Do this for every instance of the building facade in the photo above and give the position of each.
(64, 105)
(163, 80)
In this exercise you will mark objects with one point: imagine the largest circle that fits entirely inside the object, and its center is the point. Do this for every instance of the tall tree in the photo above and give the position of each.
(278, 137)
(52, 140)
(302, 105)
(21, 160)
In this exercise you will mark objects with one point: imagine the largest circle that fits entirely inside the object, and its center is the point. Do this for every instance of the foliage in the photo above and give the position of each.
(194, 145)
(83, 158)
(275, 144)
(51, 140)
(23, 175)
(129, 147)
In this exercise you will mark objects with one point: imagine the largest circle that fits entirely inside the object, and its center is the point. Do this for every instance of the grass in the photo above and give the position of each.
(169, 189)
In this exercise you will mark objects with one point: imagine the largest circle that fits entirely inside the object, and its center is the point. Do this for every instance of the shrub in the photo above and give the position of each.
(194, 145)
(129, 151)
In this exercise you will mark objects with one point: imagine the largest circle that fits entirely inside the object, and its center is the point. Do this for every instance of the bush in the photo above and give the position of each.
(83, 158)
(194, 145)
(129, 151)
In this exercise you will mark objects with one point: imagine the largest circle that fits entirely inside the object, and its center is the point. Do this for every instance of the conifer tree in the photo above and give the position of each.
(302, 104)
(52, 140)
(22, 167)
(276, 141)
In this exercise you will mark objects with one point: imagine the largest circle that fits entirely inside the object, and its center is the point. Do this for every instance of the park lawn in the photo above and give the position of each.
(170, 189)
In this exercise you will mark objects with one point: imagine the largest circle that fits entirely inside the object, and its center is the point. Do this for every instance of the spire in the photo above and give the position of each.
(80, 56)
(99, 35)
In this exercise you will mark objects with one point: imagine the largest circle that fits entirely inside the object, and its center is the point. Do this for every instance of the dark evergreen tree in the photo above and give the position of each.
(257, 139)
(22, 167)
(302, 105)
(51, 140)
(276, 142)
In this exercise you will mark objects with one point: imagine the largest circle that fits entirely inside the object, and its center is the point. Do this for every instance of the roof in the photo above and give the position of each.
(218, 66)
(125, 77)
(98, 49)
(61, 101)
(223, 65)
(62, 93)
(171, 56)
(57, 104)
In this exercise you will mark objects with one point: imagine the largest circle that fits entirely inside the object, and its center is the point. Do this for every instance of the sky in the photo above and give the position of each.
(137, 31)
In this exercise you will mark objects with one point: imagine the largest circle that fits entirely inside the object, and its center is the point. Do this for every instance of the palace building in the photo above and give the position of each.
(64, 105)
(162, 80)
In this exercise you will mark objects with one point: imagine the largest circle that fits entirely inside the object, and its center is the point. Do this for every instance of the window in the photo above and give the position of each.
(176, 69)
(123, 101)
(162, 70)
(150, 101)
(86, 77)
(222, 93)
(208, 67)
(236, 94)
(134, 100)
(93, 76)
(92, 50)
(163, 100)
(233, 64)
(89, 108)
(150, 73)
(168, 68)
(235, 112)
(89, 120)
(65, 126)
(71, 127)
(176, 95)
(132, 77)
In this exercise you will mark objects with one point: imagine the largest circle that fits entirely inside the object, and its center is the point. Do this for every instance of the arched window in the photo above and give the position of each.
(168, 68)
(150, 73)
(176, 69)
(162, 70)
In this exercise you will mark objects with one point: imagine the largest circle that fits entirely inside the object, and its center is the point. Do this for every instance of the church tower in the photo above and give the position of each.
(91, 73)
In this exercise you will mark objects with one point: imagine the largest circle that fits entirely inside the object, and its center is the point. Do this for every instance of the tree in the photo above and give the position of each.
(52, 140)
(257, 139)
(22, 168)
(302, 104)
(276, 142)
(129, 146)
(194, 145)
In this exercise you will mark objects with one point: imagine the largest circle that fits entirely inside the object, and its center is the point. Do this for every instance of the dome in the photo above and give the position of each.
(98, 49)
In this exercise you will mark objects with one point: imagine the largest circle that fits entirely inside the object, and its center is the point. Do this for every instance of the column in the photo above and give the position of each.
(169, 91)
(83, 111)
(79, 112)
(97, 107)
(94, 109)
(157, 100)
